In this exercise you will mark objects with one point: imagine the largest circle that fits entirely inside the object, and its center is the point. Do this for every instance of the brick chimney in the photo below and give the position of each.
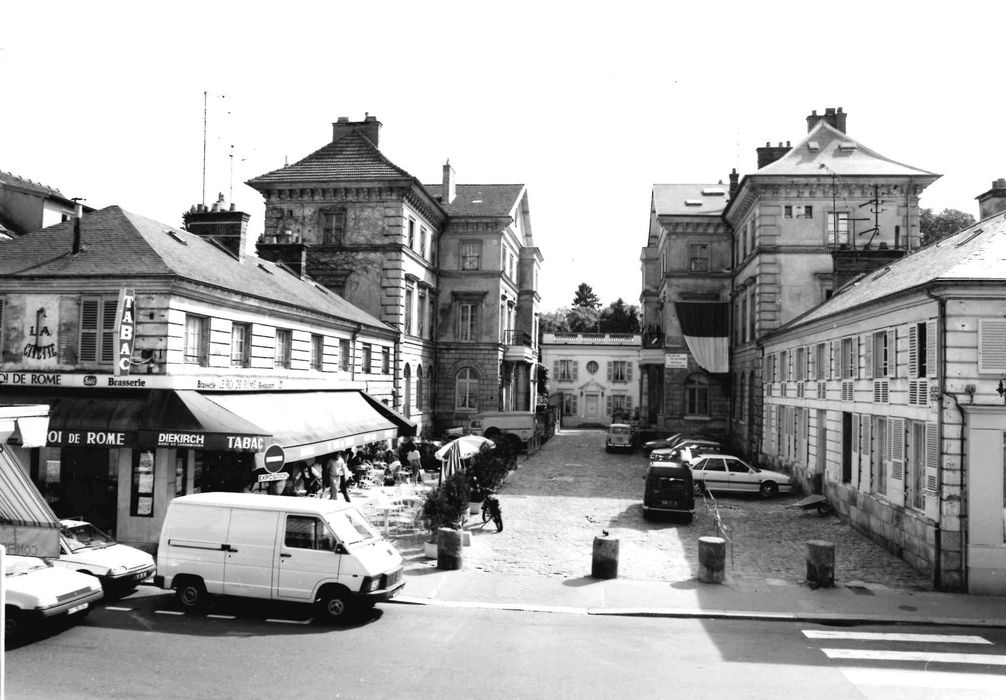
(370, 127)
(219, 222)
(770, 154)
(733, 182)
(994, 201)
(833, 117)
(449, 191)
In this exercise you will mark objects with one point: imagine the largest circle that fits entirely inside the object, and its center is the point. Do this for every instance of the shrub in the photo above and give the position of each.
(447, 504)
(490, 465)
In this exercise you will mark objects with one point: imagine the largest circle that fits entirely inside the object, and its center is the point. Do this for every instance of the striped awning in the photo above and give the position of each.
(28, 525)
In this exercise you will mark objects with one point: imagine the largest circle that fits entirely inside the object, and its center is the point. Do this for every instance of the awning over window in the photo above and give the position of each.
(28, 526)
(314, 423)
(705, 327)
(143, 419)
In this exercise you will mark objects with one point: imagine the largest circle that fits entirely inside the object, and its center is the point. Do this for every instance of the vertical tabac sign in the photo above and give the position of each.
(125, 325)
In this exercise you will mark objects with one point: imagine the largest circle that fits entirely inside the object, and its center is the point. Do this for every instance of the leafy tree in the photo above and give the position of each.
(936, 227)
(583, 319)
(585, 297)
(619, 318)
(554, 321)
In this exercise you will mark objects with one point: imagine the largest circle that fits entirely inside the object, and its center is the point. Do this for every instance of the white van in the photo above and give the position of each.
(286, 548)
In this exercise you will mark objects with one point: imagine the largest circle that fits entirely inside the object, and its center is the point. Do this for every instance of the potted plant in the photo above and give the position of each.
(445, 506)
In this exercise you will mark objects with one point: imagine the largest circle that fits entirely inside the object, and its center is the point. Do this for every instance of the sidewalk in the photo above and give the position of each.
(849, 603)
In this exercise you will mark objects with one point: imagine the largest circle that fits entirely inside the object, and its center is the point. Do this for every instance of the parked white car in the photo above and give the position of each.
(718, 473)
(85, 548)
(38, 591)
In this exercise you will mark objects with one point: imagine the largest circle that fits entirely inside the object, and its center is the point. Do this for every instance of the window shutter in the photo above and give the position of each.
(767, 370)
(576, 368)
(608, 366)
(88, 330)
(811, 363)
(931, 369)
(575, 410)
(932, 495)
(868, 356)
(856, 369)
(628, 371)
(628, 403)
(913, 351)
(607, 406)
(892, 353)
(555, 370)
(835, 371)
(896, 452)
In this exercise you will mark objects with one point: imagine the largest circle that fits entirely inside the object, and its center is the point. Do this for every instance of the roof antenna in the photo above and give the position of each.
(204, 146)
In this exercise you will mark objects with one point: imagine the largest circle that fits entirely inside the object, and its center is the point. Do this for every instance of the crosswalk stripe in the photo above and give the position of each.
(932, 680)
(926, 656)
(896, 637)
(117, 608)
(167, 612)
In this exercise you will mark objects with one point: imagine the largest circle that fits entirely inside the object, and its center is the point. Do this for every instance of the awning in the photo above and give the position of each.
(28, 526)
(705, 327)
(314, 423)
(143, 419)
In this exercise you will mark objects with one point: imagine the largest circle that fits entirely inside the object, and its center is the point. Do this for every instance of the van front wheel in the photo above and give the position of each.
(335, 605)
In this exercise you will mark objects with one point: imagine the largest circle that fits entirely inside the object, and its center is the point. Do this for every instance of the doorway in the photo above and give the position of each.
(88, 487)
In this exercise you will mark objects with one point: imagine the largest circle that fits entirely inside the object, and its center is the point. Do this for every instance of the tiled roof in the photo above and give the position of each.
(974, 254)
(353, 157)
(479, 200)
(827, 147)
(119, 244)
(690, 199)
(22, 183)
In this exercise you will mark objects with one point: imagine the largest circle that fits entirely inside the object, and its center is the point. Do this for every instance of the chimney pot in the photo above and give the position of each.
(449, 190)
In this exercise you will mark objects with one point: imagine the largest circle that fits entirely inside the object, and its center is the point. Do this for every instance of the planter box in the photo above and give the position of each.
(430, 550)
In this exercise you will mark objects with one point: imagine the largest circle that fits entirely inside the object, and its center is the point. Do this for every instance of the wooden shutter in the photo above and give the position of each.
(868, 356)
(991, 345)
(892, 353)
(932, 484)
(628, 371)
(896, 454)
(836, 372)
(856, 370)
(576, 369)
(89, 311)
(931, 340)
(628, 403)
(913, 351)
(555, 370)
(865, 454)
(575, 409)
(607, 406)
(608, 366)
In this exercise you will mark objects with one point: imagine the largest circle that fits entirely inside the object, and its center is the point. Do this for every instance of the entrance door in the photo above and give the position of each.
(593, 406)
(986, 470)
(87, 487)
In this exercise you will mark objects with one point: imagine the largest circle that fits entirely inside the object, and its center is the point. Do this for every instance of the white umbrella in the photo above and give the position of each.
(453, 452)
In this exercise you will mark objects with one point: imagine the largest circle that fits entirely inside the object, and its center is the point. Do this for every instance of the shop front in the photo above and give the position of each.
(28, 526)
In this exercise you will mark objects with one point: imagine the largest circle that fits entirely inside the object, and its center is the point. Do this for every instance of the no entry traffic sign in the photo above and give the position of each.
(274, 458)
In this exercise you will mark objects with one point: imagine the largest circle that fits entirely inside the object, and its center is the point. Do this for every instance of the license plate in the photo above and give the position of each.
(139, 577)
(77, 609)
(669, 503)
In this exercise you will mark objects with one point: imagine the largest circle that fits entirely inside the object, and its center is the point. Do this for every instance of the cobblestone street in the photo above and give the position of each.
(567, 493)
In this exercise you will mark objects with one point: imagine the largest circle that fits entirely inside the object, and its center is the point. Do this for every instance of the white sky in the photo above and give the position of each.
(587, 103)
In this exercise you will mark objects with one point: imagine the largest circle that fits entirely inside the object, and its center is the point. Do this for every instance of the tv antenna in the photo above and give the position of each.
(875, 203)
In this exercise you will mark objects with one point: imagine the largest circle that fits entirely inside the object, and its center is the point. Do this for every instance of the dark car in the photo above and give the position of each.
(675, 439)
(688, 450)
(669, 489)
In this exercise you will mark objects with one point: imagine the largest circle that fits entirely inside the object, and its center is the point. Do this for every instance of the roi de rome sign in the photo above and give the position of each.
(274, 458)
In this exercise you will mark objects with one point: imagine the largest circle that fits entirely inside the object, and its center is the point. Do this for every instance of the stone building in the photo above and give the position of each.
(452, 267)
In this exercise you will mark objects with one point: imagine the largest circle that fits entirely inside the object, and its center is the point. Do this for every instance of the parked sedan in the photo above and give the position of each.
(716, 473)
(660, 443)
(688, 450)
(37, 591)
(85, 548)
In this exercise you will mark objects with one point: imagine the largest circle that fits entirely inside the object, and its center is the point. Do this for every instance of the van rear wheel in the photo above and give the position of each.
(191, 594)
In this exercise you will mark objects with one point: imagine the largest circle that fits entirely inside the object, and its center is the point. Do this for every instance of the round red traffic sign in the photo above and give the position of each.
(274, 458)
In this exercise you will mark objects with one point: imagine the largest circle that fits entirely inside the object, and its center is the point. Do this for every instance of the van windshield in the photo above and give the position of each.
(351, 527)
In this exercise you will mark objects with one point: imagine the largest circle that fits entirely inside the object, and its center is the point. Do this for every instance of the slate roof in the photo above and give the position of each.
(353, 157)
(119, 244)
(689, 200)
(802, 159)
(479, 200)
(975, 254)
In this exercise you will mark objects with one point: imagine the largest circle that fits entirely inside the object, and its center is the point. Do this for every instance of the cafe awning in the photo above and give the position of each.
(314, 423)
(28, 526)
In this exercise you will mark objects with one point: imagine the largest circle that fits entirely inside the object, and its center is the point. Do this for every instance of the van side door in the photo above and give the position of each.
(251, 548)
(306, 556)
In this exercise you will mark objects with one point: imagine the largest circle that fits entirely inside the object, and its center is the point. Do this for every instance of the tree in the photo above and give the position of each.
(585, 297)
(619, 318)
(554, 321)
(583, 319)
(936, 227)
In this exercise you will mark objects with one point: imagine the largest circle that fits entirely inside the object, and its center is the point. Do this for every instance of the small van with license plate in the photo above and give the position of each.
(669, 490)
(310, 550)
(619, 437)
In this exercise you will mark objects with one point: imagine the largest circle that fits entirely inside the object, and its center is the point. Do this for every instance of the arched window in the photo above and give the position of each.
(697, 395)
(429, 387)
(419, 387)
(407, 402)
(466, 390)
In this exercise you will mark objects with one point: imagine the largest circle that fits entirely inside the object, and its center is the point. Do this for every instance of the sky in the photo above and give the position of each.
(588, 104)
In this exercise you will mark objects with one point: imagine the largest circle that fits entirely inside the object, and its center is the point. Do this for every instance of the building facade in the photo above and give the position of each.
(452, 267)
(594, 377)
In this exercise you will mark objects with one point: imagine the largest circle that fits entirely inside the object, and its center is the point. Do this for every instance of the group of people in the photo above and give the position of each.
(338, 470)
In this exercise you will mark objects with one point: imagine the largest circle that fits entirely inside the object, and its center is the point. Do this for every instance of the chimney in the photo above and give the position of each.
(449, 191)
(769, 154)
(733, 182)
(78, 212)
(835, 118)
(370, 127)
(992, 202)
(221, 222)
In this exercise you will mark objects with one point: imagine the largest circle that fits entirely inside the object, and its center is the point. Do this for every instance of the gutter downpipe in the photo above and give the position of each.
(941, 348)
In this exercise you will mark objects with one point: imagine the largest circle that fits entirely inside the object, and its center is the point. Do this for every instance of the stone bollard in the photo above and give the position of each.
(712, 559)
(820, 564)
(605, 561)
(449, 549)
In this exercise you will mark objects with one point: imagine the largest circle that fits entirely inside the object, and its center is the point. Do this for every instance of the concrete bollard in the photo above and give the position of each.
(820, 564)
(449, 549)
(605, 561)
(712, 559)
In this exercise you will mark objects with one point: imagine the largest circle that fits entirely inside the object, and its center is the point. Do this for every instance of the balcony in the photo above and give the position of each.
(519, 346)
(592, 338)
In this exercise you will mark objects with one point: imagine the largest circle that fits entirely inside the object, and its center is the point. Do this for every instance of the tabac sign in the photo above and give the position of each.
(125, 326)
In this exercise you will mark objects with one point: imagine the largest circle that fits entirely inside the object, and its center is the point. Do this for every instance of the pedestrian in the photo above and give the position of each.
(337, 473)
(415, 464)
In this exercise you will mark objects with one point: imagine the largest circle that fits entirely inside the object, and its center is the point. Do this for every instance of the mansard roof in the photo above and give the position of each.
(825, 149)
(352, 158)
(479, 200)
(690, 199)
(962, 258)
(117, 244)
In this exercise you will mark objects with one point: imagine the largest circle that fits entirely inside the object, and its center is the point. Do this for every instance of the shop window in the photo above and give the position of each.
(282, 349)
(697, 396)
(97, 330)
(471, 255)
(196, 340)
(317, 352)
(240, 345)
(181, 471)
(366, 350)
(466, 390)
(333, 227)
(344, 354)
(141, 501)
